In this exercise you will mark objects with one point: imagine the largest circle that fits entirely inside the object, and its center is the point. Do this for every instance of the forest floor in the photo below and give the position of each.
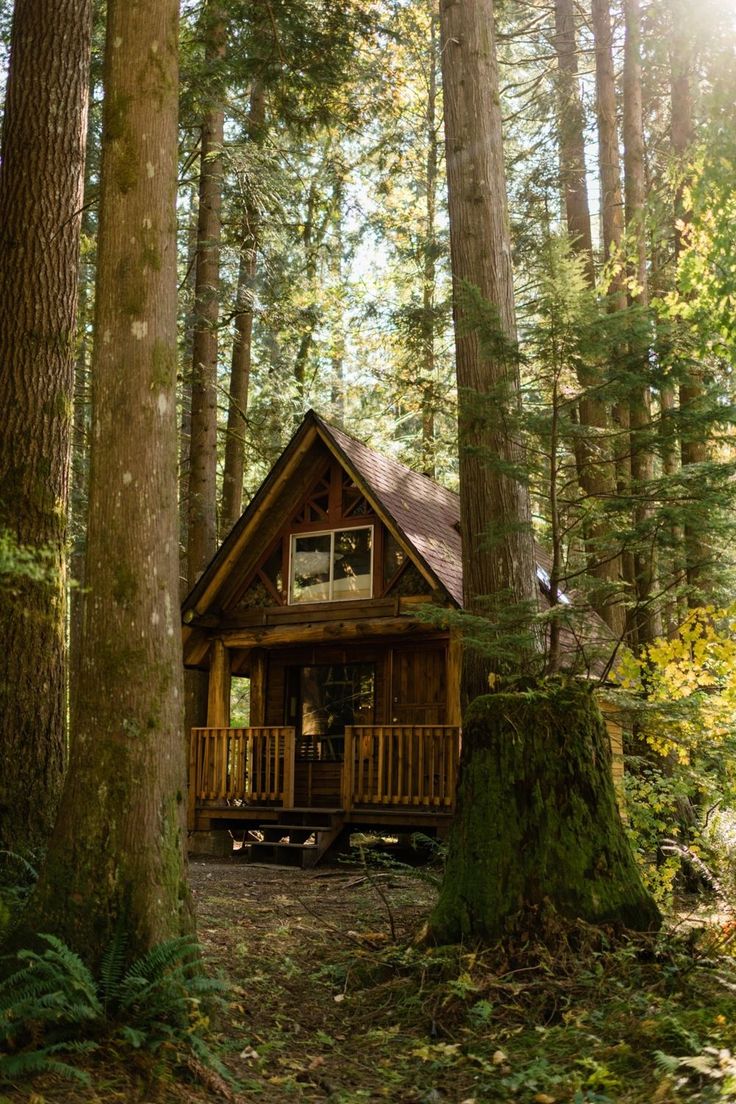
(332, 1000)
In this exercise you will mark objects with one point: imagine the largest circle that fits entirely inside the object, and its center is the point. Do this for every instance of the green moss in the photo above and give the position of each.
(537, 821)
(163, 365)
(125, 586)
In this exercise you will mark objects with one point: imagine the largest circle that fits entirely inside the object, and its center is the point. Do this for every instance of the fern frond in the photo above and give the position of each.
(667, 1063)
(112, 966)
(14, 1067)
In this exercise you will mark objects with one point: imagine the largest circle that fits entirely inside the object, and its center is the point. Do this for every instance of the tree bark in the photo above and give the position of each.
(596, 472)
(693, 440)
(498, 554)
(537, 825)
(41, 183)
(429, 275)
(612, 222)
(240, 366)
(116, 859)
(647, 620)
(202, 502)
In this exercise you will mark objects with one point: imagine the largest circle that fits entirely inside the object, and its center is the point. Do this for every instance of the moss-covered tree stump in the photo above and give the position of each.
(537, 821)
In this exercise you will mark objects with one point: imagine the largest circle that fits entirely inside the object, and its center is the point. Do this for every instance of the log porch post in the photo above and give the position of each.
(257, 687)
(218, 687)
(454, 668)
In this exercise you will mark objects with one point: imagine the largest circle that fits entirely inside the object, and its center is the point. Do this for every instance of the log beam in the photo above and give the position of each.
(271, 635)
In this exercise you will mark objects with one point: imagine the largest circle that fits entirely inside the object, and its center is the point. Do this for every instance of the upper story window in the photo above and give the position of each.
(333, 566)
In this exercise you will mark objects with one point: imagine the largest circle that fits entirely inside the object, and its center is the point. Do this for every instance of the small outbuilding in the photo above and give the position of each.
(320, 597)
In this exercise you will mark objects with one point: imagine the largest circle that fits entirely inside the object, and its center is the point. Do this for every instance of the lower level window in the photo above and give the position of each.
(332, 566)
(322, 700)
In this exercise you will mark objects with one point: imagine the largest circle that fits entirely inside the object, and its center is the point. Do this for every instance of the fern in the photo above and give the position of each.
(54, 998)
(667, 1063)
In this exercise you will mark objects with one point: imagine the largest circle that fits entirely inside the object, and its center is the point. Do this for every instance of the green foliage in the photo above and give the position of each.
(52, 1005)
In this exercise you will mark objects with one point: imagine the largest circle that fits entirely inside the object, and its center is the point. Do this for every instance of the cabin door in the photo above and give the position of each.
(418, 686)
(322, 699)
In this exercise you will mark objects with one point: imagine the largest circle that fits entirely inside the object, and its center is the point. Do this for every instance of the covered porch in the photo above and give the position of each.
(387, 773)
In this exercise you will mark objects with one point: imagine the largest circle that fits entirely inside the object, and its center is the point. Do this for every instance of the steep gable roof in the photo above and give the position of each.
(426, 514)
(423, 515)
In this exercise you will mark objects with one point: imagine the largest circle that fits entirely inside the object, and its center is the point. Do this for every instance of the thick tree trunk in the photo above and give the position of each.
(596, 471)
(240, 365)
(498, 554)
(537, 823)
(116, 859)
(202, 489)
(41, 181)
(648, 623)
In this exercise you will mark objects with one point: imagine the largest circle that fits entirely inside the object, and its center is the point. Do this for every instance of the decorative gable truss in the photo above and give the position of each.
(334, 547)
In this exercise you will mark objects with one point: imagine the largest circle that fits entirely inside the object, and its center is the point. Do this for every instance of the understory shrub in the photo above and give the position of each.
(52, 1006)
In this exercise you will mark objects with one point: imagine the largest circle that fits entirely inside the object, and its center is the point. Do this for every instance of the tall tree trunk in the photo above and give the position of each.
(498, 553)
(116, 859)
(240, 366)
(693, 440)
(429, 276)
(647, 620)
(41, 182)
(337, 359)
(202, 480)
(612, 221)
(596, 472)
(202, 500)
(80, 464)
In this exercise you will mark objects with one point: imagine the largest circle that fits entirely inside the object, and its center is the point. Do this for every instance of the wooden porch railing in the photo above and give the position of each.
(253, 765)
(401, 765)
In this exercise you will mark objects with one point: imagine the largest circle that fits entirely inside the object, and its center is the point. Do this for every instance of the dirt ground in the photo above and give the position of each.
(294, 946)
(331, 1000)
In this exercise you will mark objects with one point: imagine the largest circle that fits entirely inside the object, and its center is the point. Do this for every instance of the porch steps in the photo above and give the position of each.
(301, 838)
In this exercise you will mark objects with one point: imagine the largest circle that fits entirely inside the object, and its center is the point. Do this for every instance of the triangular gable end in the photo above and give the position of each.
(295, 491)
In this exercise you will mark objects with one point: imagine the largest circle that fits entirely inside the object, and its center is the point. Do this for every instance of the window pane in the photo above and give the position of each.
(352, 577)
(331, 698)
(310, 572)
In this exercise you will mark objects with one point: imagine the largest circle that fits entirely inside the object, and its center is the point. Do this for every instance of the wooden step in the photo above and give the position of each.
(297, 852)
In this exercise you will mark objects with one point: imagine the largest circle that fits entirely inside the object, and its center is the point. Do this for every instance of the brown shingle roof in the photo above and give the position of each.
(423, 511)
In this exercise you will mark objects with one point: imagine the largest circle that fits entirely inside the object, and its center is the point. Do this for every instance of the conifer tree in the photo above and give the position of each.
(116, 859)
(41, 183)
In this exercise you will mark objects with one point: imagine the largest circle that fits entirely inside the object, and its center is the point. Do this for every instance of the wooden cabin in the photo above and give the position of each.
(319, 597)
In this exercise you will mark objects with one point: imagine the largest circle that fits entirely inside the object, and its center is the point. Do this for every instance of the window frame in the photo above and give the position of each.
(293, 537)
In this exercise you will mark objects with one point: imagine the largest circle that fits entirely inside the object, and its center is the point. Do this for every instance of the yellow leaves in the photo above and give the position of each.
(696, 671)
(430, 1052)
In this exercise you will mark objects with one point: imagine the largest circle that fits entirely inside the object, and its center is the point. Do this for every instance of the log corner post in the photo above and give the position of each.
(218, 689)
(453, 675)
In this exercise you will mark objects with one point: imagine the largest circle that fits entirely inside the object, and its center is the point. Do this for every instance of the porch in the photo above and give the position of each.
(388, 775)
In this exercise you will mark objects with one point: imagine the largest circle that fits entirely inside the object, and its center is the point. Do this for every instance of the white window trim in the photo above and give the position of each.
(327, 533)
